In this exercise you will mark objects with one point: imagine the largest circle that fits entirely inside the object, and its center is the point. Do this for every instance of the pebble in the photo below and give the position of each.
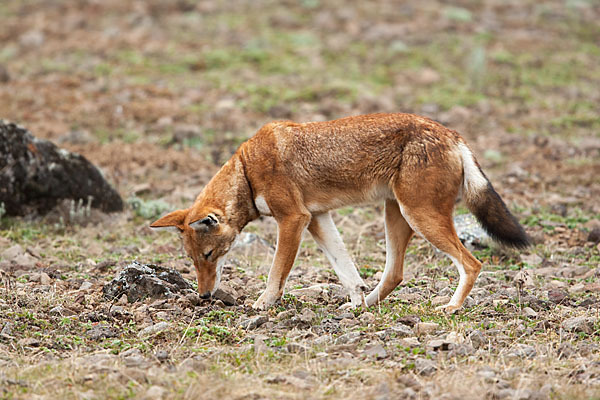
(254, 322)
(154, 329)
(425, 328)
(155, 392)
(425, 367)
(376, 351)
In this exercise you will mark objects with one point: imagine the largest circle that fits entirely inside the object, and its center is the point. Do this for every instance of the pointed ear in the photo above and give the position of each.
(171, 221)
(205, 223)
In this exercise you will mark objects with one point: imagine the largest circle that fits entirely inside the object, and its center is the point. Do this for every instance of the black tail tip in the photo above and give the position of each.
(497, 220)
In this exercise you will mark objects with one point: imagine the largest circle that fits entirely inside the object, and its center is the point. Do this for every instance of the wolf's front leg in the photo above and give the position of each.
(329, 240)
(289, 235)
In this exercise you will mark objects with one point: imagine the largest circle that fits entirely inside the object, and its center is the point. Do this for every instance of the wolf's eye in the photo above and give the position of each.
(206, 255)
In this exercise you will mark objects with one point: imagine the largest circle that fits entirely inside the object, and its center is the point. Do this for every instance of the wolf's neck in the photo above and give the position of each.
(231, 192)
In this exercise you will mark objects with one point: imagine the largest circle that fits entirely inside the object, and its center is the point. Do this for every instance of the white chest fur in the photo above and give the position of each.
(262, 206)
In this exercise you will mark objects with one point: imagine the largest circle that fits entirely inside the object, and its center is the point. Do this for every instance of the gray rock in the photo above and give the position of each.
(161, 355)
(7, 329)
(154, 329)
(425, 367)
(478, 339)
(376, 351)
(579, 324)
(470, 233)
(193, 364)
(140, 281)
(254, 322)
(297, 348)
(35, 175)
(307, 316)
(348, 338)
(521, 350)
(401, 330)
(61, 311)
(100, 332)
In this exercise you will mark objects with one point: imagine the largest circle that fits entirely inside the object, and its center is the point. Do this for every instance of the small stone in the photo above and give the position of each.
(409, 320)
(565, 350)
(437, 344)
(478, 339)
(411, 342)
(99, 332)
(307, 316)
(7, 329)
(594, 235)
(225, 297)
(440, 300)
(297, 348)
(521, 350)
(579, 324)
(254, 322)
(556, 284)
(557, 296)
(425, 328)
(524, 279)
(531, 259)
(425, 367)
(45, 278)
(367, 318)
(529, 312)
(487, 373)
(85, 285)
(401, 330)
(376, 351)
(154, 329)
(161, 355)
(12, 252)
(155, 392)
(348, 338)
(29, 342)
(193, 364)
(577, 288)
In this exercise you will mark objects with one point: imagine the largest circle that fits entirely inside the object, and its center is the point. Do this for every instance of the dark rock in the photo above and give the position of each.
(478, 339)
(4, 75)
(425, 367)
(254, 322)
(140, 281)
(410, 320)
(225, 297)
(100, 332)
(162, 355)
(594, 235)
(35, 175)
(557, 296)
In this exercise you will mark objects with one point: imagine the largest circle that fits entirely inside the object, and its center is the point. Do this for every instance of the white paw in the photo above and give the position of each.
(448, 308)
(265, 301)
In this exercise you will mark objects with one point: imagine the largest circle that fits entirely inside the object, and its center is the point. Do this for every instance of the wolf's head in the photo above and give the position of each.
(206, 238)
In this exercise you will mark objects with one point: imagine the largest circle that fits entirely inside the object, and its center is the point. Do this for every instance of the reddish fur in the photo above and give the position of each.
(306, 169)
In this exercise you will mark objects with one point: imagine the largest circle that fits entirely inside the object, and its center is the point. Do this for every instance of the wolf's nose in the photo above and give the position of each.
(205, 295)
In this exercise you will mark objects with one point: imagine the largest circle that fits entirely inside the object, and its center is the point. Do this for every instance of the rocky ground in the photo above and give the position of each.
(159, 94)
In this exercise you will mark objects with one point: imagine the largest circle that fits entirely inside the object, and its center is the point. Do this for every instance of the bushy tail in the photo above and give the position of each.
(487, 206)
